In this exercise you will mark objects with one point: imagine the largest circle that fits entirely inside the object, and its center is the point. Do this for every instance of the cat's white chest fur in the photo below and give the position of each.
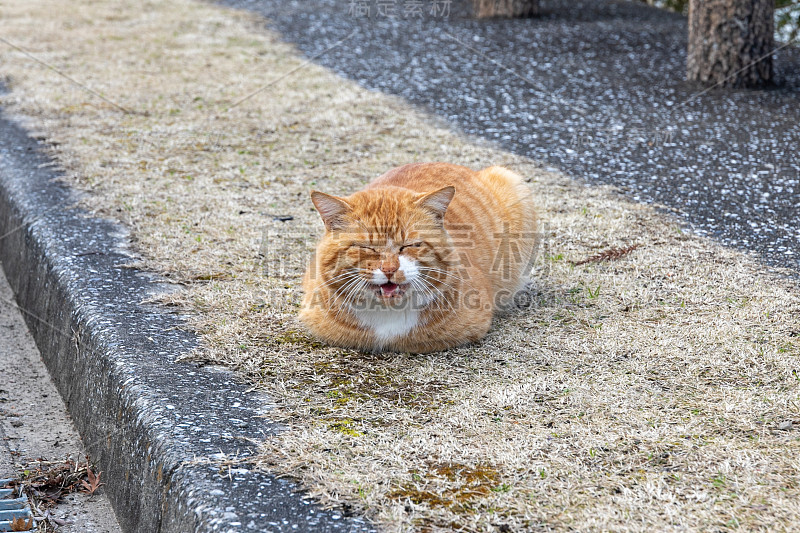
(387, 323)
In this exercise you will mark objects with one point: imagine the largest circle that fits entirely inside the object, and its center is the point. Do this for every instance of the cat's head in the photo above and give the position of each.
(384, 246)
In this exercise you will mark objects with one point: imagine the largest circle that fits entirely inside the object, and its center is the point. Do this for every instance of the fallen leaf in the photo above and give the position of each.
(20, 524)
(94, 482)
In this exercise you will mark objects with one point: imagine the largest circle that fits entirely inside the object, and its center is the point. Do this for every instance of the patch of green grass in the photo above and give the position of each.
(345, 428)
(593, 294)
(296, 337)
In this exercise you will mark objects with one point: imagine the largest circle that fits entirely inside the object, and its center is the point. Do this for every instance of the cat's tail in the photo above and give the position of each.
(519, 212)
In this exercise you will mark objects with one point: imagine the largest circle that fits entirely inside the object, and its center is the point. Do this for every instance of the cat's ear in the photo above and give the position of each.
(332, 209)
(437, 201)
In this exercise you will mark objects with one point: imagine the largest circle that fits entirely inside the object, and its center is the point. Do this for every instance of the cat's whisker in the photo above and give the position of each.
(429, 279)
(444, 300)
(347, 274)
(445, 303)
(353, 293)
(429, 289)
(345, 283)
(419, 284)
(345, 290)
(447, 275)
(345, 296)
(433, 287)
(347, 287)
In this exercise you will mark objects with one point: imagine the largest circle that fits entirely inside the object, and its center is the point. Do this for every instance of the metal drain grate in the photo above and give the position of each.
(13, 504)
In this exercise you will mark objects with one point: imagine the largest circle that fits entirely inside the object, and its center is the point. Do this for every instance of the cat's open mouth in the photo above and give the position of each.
(390, 290)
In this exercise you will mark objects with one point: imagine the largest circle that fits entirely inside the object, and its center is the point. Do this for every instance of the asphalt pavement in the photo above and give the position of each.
(593, 88)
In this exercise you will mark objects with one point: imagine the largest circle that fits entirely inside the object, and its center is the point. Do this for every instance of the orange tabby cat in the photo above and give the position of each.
(420, 259)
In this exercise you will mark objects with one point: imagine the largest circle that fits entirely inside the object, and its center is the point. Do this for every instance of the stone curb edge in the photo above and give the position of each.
(172, 439)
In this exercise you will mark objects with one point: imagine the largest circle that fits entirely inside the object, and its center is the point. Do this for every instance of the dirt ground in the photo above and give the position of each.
(36, 428)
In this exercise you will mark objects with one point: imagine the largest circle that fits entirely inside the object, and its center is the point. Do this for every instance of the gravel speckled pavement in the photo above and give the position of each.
(595, 88)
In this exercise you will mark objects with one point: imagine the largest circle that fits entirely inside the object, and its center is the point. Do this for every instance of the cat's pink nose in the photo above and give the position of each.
(389, 268)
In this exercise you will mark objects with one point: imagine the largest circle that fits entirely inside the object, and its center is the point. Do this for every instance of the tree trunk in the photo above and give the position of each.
(505, 8)
(731, 42)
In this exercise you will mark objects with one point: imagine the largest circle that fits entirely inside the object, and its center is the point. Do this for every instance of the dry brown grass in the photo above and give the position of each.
(657, 390)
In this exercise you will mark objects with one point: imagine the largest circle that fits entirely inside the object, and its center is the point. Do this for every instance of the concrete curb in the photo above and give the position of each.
(160, 431)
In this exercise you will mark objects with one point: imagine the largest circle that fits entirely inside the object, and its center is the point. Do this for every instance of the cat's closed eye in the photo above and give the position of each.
(412, 245)
(363, 246)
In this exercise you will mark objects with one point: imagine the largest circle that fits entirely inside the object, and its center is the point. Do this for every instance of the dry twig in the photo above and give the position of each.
(607, 255)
